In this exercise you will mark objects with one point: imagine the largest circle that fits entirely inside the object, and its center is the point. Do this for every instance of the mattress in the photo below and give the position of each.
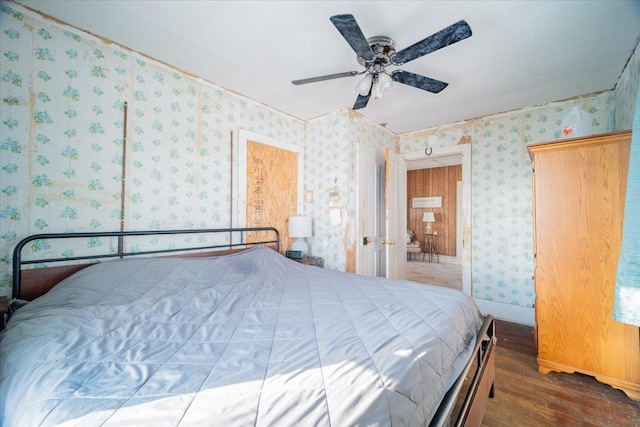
(249, 339)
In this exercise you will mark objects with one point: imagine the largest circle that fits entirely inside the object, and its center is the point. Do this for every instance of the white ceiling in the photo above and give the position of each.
(522, 53)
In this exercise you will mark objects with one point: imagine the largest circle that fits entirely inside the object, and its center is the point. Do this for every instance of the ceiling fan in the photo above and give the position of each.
(379, 52)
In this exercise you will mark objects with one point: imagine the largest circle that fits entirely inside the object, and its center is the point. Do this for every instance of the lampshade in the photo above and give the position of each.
(365, 85)
(299, 226)
(428, 217)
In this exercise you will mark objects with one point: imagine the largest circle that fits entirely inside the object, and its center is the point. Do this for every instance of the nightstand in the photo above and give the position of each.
(4, 310)
(311, 260)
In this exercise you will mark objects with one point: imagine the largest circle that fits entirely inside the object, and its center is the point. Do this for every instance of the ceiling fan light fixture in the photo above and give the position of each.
(384, 82)
(364, 86)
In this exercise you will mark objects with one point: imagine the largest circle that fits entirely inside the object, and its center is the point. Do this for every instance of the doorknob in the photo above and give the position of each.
(388, 242)
(366, 240)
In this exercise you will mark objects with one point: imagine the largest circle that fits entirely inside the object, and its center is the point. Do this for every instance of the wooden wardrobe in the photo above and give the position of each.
(579, 189)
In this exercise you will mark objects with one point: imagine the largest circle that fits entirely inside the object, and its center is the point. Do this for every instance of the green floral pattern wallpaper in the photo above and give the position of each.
(63, 117)
(63, 94)
(331, 149)
(626, 91)
(501, 193)
(62, 120)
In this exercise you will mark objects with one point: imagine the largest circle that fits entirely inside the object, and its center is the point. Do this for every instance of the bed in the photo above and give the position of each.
(234, 333)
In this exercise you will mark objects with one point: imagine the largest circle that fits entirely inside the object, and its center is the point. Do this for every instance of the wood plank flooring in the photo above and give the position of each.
(525, 397)
(441, 274)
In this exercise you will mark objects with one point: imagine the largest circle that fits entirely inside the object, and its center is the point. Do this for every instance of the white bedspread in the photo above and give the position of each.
(251, 339)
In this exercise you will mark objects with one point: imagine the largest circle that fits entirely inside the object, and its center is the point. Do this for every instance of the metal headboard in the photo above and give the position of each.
(18, 262)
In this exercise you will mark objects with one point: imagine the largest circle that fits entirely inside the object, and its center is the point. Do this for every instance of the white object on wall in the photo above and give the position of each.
(575, 124)
(426, 202)
(335, 216)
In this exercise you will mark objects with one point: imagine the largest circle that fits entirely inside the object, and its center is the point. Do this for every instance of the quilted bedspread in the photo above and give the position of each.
(250, 339)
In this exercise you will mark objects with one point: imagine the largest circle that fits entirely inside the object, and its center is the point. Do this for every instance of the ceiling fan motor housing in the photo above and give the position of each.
(383, 48)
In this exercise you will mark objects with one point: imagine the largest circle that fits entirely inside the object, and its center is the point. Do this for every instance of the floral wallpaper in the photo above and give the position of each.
(62, 117)
(331, 148)
(326, 177)
(626, 91)
(501, 202)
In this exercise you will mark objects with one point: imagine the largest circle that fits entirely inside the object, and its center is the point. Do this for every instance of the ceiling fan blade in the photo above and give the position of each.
(352, 33)
(450, 35)
(326, 77)
(418, 81)
(361, 101)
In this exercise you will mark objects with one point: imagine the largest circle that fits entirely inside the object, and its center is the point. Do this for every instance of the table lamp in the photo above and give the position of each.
(300, 227)
(429, 218)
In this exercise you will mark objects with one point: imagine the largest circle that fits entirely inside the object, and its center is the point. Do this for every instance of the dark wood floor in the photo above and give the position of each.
(525, 397)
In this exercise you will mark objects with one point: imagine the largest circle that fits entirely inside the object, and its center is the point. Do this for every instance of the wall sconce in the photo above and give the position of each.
(428, 218)
(300, 227)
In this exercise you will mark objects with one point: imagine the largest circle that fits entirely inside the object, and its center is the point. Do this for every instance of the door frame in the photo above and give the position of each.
(465, 151)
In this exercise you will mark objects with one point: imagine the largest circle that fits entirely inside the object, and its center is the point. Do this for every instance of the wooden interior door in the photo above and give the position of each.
(371, 214)
(396, 225)
(272, 188)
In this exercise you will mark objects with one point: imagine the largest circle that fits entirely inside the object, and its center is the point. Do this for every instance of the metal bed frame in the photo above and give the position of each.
(452, 411)
(18, 262)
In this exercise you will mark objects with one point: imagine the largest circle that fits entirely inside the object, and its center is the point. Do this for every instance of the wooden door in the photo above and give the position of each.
(396, 216)
(371, 213)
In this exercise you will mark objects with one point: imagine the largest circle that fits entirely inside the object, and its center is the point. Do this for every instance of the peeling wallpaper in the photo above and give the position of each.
(626, 91)
(501, 192)
(62, 121)
(62, 113)
(330, 174)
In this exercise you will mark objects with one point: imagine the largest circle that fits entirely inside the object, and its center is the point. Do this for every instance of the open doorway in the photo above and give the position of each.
(453, 270)
(433, 214)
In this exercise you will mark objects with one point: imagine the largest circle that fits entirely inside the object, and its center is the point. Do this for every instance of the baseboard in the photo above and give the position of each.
(508, 312)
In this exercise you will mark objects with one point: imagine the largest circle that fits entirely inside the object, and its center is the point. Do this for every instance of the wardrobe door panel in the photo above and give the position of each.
(579, 190)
